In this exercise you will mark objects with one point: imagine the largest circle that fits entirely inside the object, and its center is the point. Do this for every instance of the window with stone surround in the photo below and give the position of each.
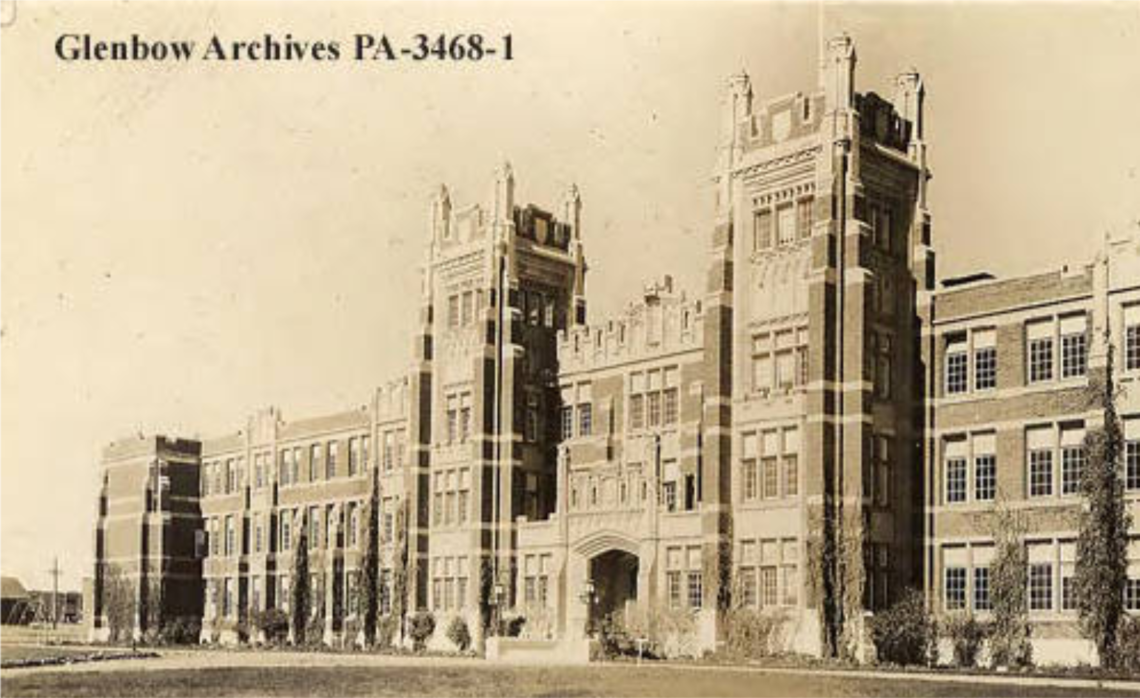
(1041, 586)
(954, 588)
(1132, 453)
(536, 580)
(779, 359)
(985, 359)
(1039, 337)
(1039, 445)
(1131, 323)
(1072, 458)
(654, 398)
(957, 365)
(1074, 346)
(956, 471)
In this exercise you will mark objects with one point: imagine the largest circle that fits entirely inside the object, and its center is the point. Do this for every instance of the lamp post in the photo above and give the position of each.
(589, 596)
(497, 594)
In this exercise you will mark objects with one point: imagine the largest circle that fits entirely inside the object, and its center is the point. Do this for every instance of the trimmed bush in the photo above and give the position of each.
(966, 635)
(420, 628)
(386, 629)
(458, 633)
(904, 633)
(273, 624)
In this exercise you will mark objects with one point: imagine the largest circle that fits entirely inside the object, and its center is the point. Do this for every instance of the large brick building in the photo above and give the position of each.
(817, 430)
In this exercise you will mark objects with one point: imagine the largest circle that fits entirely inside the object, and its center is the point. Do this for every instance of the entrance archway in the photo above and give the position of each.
(613, 575)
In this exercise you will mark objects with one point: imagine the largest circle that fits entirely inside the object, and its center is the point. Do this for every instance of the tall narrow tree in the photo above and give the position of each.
(301, 600)
(369, 601)
(1102, 544)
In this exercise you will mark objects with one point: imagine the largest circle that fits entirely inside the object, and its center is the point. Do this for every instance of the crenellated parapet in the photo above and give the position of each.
(662, 321)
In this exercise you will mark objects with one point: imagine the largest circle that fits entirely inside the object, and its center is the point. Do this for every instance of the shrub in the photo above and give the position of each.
(183, 630)
(420, 627)
(273, 624)
(386, 628)
(458, 633)
(966, 635)
(904, 633)
(750, 634)
(1128, 644)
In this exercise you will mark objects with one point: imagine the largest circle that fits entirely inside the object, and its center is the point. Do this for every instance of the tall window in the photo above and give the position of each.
(985, 472)
(1040, 341)
(955, 588)
(314, 462)
(353, 456)
(231, 548)
(585, 419)
(779, 359)
(654, 398)
(804, 218)
(750, 468)
(957, 364)
(1041, 586)
(330, 463)
(785, 225)
(1072, 459)
(791, 462)
(1132, 453)
(982, 589)
(985, 359)
(762, 229)
(453, 311)
(956, 471)
(1074, 346)
(286, 468)
(1039, 442)
(1132, 338)
(567, 422)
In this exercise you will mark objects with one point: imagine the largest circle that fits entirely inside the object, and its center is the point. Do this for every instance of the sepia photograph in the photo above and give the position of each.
(521, 349)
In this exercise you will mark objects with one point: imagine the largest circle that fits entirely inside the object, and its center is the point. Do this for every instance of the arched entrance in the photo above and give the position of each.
(613, 577)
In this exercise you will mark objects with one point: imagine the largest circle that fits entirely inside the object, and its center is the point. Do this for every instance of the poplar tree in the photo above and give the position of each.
(1102, 544)
(369, 602)
(301, 600)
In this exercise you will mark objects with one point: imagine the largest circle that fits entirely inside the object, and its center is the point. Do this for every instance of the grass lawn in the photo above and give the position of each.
(486, 680)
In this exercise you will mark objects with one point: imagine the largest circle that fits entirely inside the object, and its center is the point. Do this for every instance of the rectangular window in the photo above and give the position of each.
(1132, 594)
(353, 456)
(585, 419)
(330, 464)
(669, 495)
(1041, 586)
(695, 592)
(286, 542)
(453, 311)
(673, 587)
(748, 587)
(1132, 461)
(985, 476)
(955, 588)
(654, 400)
(1072, 460)
(1040, 338)
(769, 593)
(567, 422)
(1074, 346)
(957, 366)
(637, 412)
(804, 218)
(762, 230)
(955, 458)
(982, 589)
(314, 462)
(985, 359)
(956, 480)
(1132, 338)
(791, 475)
(669, 414)
(785, 225)
(1040, 444)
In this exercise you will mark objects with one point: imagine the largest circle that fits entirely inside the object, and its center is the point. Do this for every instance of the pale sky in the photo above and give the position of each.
(184, 244)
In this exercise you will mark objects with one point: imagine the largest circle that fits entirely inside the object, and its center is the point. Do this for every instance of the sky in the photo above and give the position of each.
(181, 245)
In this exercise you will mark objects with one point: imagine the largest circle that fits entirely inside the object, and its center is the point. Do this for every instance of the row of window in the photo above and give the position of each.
(779, 360)
(227, 476)
(1056, 348)
(684, 577)
(461, 308)
(792, 222)
(222, 594)
(654, 398)
(449, 575)
(458, 411)
(1055, 457)
(536, 572)
(1049, 580)
(769, 573)
(451, 496)
(770, 464)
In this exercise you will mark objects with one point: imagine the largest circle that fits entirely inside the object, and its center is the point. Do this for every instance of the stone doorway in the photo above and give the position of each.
(613, 579)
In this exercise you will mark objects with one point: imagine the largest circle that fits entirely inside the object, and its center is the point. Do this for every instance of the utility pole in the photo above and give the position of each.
(54, 572)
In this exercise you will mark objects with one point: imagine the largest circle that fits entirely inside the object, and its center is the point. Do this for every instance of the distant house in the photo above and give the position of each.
(13, 601)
